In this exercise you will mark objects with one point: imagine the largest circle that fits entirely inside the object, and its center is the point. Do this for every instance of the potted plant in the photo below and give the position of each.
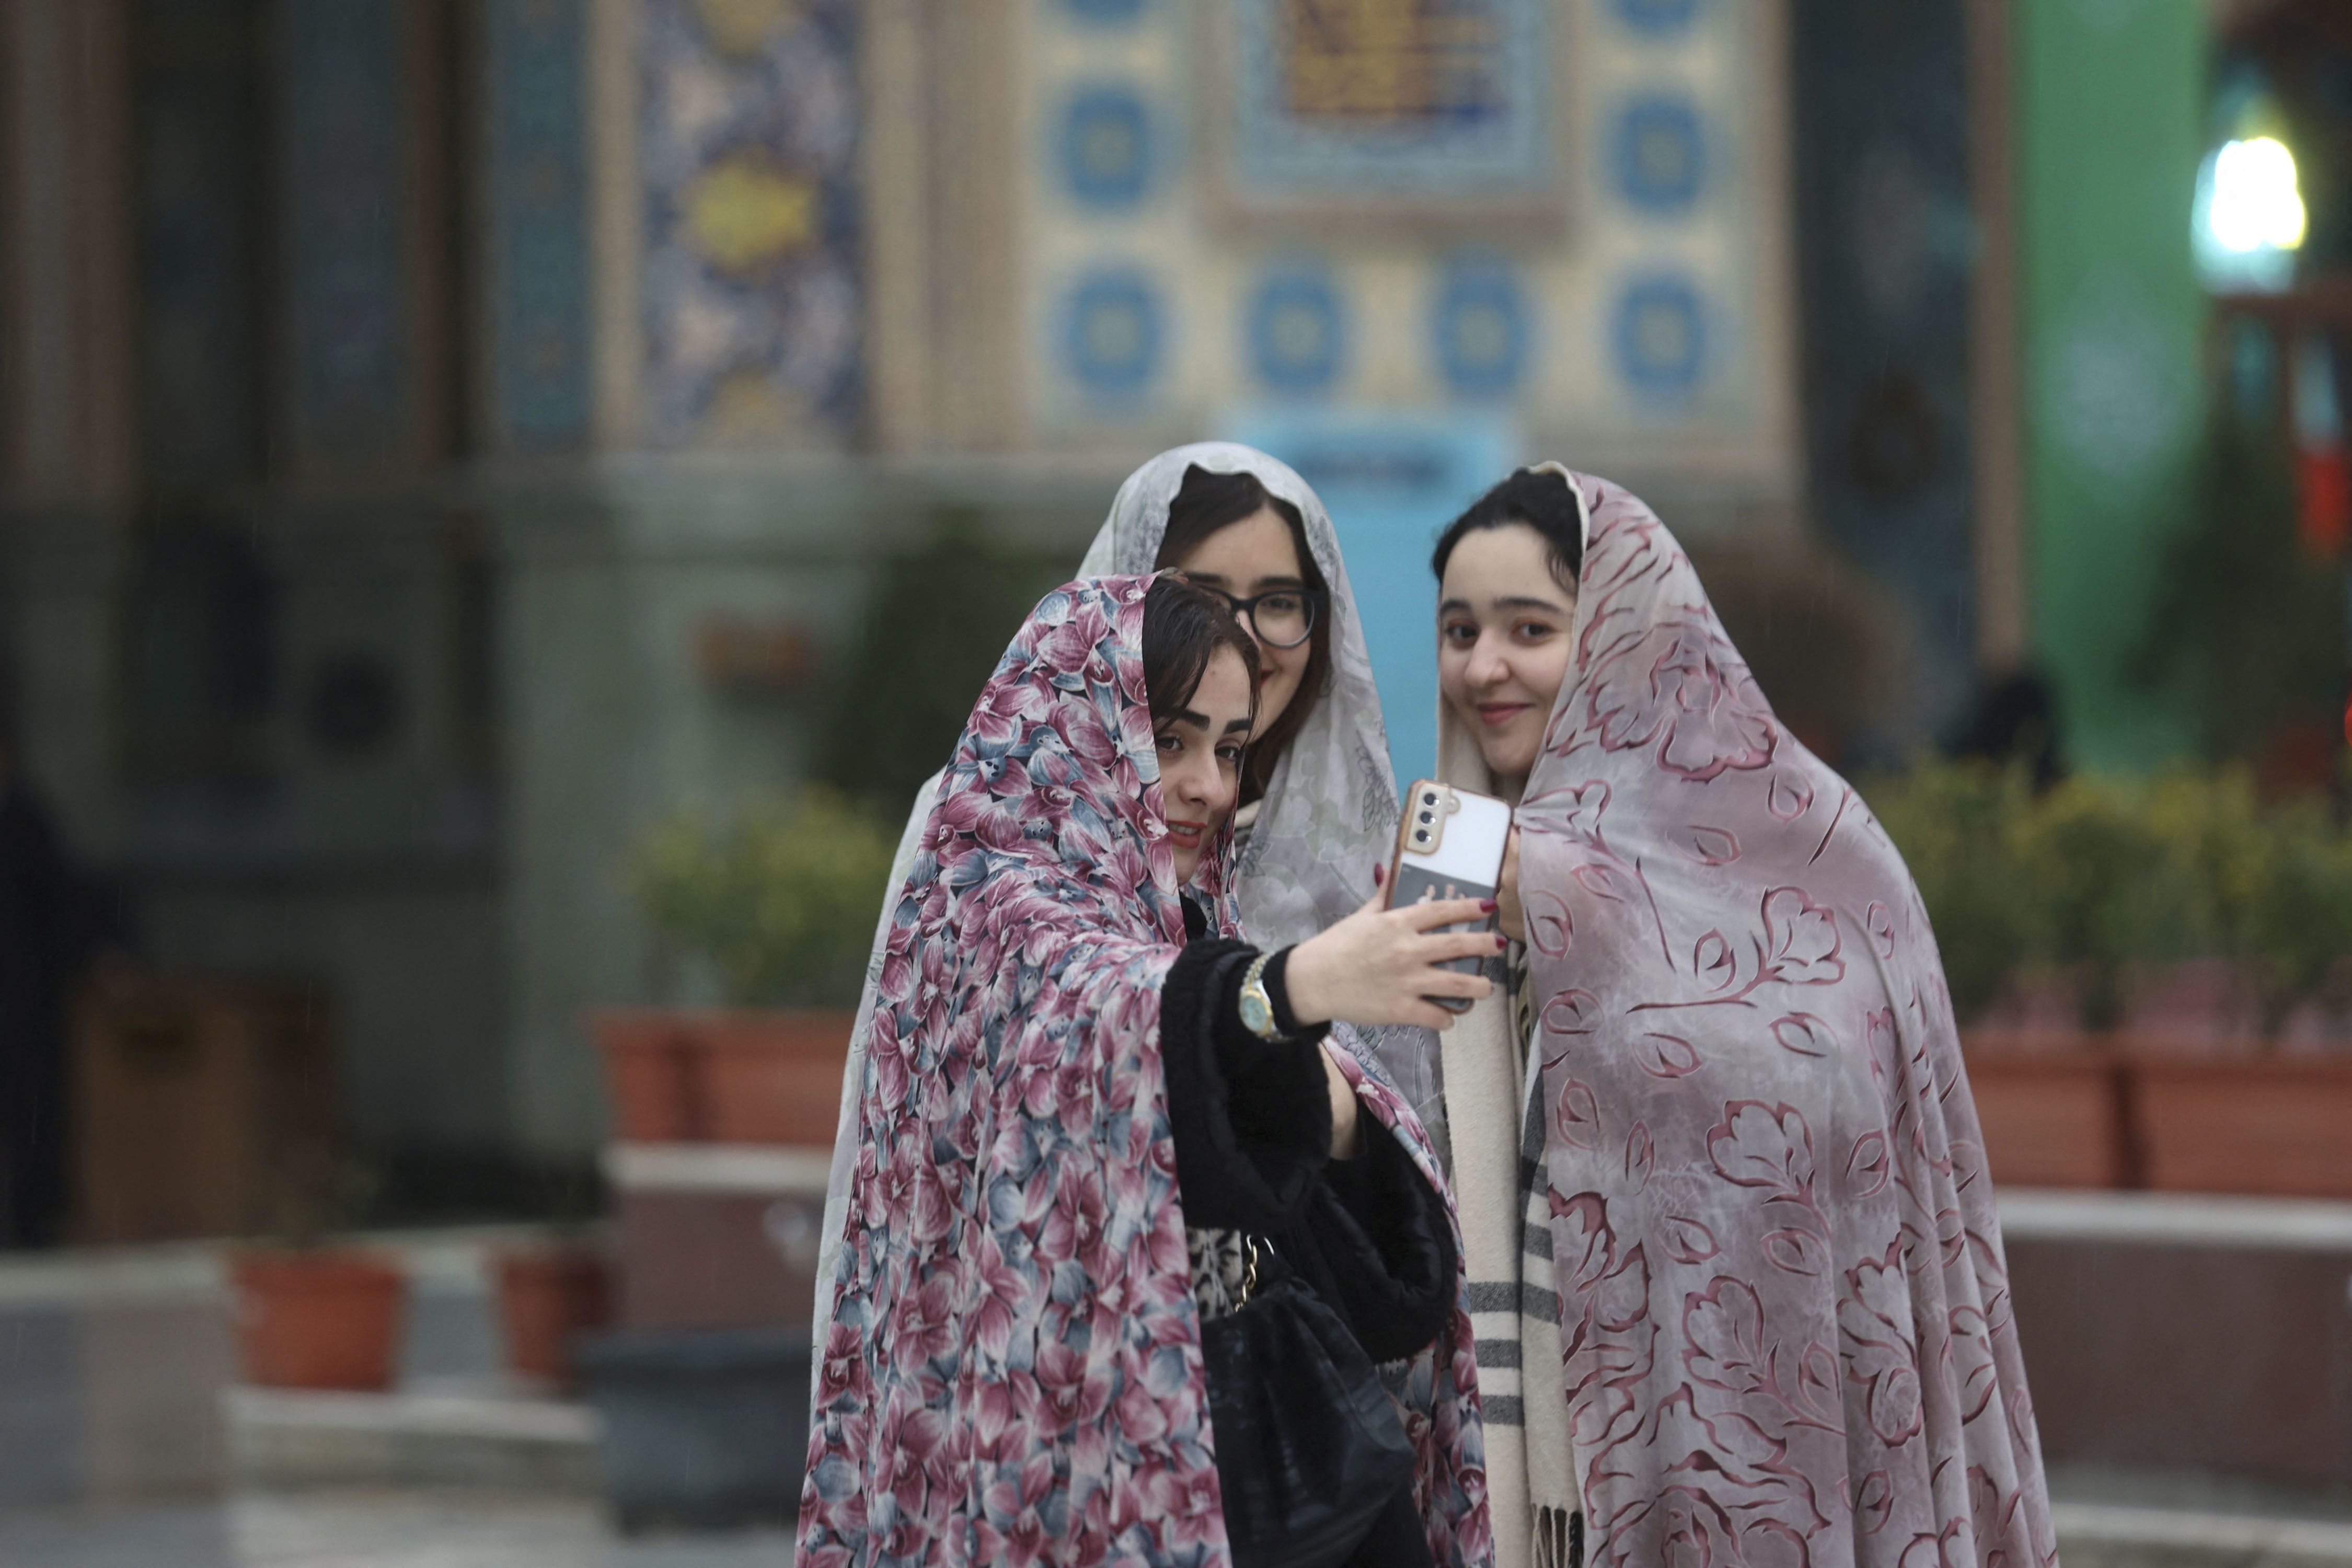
(549, 1293)
(2125, 957)
(774, 912)
(2253, 1120)
(310, 1314)
(2049, 1104)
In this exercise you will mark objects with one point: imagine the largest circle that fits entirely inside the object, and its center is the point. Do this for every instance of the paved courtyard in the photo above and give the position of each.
(364, 1530)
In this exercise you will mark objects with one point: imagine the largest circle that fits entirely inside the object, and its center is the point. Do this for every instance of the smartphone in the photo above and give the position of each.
(1450, 845)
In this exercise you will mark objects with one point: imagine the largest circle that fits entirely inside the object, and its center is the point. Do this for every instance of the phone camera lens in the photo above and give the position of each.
(1425, 818)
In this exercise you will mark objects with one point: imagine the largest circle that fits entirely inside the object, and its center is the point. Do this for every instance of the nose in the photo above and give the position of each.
(1190, 784)
(1487, 666)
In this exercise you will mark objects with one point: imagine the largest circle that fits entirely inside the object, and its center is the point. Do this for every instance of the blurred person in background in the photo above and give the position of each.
(1077, 1118)
(1717, 1104)
(1318, 800)
(54, 923)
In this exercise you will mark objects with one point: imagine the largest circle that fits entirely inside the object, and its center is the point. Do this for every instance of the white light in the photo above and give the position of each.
(2255, 204)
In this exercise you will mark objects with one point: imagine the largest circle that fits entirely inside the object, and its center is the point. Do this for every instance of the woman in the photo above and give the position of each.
(1056, 1083)
(1753, 1169)
(1319, 802)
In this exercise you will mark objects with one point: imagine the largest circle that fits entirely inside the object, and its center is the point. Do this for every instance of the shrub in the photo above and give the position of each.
(1952, 825)
(781, 900)
(2099, 876)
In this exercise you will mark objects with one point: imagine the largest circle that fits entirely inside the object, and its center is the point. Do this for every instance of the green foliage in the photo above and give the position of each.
(2100, 876)
(1952, 825)
(2247, 628)
(939, 620)
(780, 901)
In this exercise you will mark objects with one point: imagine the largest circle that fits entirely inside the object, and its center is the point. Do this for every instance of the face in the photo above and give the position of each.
(1200, 758)
(1244, 559)
(1504, 629)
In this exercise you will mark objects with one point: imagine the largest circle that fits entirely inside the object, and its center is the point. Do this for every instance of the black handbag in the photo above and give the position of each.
(1310, 1447)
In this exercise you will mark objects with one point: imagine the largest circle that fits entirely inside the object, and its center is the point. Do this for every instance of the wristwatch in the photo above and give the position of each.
(1256, 1006)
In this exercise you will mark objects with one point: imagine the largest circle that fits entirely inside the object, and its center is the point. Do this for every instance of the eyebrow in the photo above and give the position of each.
(1512, 602)
(1275, 582)
(1242, 724)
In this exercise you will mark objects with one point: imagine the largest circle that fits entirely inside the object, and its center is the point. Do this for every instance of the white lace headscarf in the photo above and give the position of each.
(1330, 814)
(1330, 808)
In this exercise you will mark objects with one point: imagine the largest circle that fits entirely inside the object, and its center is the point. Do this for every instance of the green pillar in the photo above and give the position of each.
(2110, 96)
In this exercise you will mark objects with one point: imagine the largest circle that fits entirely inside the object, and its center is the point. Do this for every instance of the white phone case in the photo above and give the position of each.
(1450, 845)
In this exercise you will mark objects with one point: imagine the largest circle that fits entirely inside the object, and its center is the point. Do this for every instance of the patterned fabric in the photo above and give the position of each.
(1328, 815)
(1223, 1265)
(1013, 1371)
(1784, 1307)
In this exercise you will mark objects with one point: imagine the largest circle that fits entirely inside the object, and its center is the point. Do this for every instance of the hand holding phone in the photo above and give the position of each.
(1393, 966)
(1450, 845)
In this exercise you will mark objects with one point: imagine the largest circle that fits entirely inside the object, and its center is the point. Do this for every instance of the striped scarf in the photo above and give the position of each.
(1514, 1308)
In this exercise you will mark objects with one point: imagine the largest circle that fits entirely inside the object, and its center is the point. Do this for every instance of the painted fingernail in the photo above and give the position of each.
(1501, 941)
(1486, 906)
(1380, 875)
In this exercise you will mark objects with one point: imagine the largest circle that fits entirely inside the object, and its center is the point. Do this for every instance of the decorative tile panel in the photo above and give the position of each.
(1626, 330)
(752, 297)
(1443, 103)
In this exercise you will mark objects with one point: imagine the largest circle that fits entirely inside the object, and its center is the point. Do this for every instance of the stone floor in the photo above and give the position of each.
(380, 1529)
(364, 1530)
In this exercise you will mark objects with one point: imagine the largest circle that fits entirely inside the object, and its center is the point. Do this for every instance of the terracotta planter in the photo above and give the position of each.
(318, 1320)
(775, 1077)
(547, 1296)
(2050, 1118)
(744, 1076)
(2269, 1126)
(651, 1074)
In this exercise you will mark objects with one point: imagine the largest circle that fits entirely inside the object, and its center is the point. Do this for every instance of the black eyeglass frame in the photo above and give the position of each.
(1246, 609)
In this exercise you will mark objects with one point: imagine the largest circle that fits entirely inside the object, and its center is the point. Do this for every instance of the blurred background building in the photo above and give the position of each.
(440, 437)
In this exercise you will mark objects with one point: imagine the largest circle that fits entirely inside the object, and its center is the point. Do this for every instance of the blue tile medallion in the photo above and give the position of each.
(1104, 147)
(1659, 336)
(1296, 329)
(1481, 326)
(1657, 153)
(1657, 18)
(1113, 331)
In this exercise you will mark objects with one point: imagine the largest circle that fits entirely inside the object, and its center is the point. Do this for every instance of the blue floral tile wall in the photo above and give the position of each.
(1568, 216)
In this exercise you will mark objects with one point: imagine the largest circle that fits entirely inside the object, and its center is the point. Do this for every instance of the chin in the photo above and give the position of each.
(1513, 760)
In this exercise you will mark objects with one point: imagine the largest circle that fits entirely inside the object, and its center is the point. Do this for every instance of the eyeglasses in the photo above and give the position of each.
(1283, 619)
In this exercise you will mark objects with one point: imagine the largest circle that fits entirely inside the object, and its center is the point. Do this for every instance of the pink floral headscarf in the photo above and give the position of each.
(1014, 1374)
(1785, 1313)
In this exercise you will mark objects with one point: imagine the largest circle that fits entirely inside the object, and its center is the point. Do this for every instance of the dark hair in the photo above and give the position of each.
(1206, 503)
(1538, 497)
(1184, 627)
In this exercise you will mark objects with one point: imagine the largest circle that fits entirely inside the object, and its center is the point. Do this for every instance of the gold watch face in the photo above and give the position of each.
(1258, 1013)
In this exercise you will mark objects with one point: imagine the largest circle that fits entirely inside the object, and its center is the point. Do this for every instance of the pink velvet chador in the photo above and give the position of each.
(1786, 1318)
